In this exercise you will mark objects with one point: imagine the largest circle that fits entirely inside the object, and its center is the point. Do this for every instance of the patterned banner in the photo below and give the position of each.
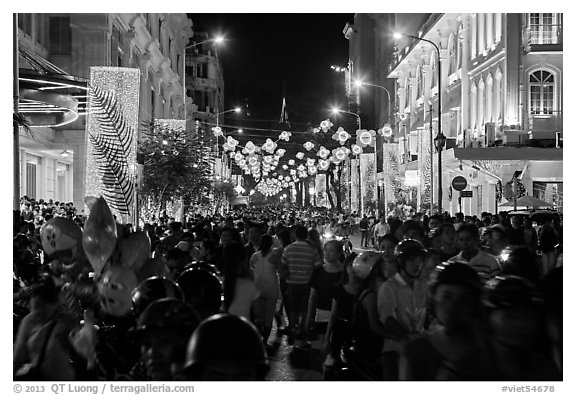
(354, 203)
(112, 128)
(345, 185)
(392, 179)
(368, 185)
(321, 198)
(424, 168)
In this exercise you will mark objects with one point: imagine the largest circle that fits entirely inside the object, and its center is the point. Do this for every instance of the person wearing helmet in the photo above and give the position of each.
(163, 330)
(202, 290)
(401, 303)
(226, 347)
(152, 289)
(456, 297)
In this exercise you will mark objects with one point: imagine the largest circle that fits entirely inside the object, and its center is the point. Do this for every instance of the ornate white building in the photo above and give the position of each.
(56, 53)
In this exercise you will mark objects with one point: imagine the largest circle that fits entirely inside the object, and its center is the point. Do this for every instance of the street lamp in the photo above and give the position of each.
(235, 109)
(359, 83)
(440, 139)
(337, 110)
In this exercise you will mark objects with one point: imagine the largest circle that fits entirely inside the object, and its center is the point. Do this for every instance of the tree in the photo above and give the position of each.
(176, 166)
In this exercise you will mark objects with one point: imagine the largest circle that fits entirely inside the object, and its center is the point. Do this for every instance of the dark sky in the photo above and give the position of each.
(264, 51)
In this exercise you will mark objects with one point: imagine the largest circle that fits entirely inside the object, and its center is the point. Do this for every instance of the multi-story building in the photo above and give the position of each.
(501, 104)
(56, 53)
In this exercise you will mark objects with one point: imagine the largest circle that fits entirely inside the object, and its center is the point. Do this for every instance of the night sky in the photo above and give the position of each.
(264, 52)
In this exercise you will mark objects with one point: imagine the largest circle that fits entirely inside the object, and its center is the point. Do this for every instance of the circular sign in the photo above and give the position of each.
(459, 183)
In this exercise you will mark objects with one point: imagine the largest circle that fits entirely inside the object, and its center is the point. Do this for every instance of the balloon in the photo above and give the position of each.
(100, 235)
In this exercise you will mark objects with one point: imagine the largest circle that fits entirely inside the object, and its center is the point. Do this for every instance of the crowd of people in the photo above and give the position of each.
(426, 298)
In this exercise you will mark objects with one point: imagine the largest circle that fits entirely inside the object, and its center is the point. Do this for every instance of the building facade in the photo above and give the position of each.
(64, 47)
(500, 83)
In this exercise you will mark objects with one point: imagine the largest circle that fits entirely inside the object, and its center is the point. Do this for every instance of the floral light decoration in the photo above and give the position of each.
(267, 159)
(217, 130)
(386, 131)
(249, 148)
(280, 152)
(341, 136)
(356, 149)
(238, 156)
(323, 153)
(312, 170)
(340, 153)
(301, 168)
(326, 125)
(285, 167)
(253, 161)
(365, 137)
(323, 164)
(315, 130)
(308, 145)
(232, 142)
(291, 162)
(269, 146)
(310, 162)
(285, 136)
(300, 155)
(293, 172)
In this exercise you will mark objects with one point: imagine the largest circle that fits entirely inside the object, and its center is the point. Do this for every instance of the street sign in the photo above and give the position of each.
(459, 183)
(466, 194)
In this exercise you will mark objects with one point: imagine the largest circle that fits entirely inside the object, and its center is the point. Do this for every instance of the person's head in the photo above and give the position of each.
(410, 258)
(435, 222)
(228, 236)
(176, 258)
(333, 251)
(254, 233)
(208, 250)
(456, 296)
(447, 233)
(459, 217)
(366, 266)
(468, 238)
(226, 347)
(386, 246)
(300, 232)
(163, 330)
(202, 289)
(413, 229)
(516, 221)
(314, 236)
(527, 222)
(175, 227)
(265, 243)
(284, 237)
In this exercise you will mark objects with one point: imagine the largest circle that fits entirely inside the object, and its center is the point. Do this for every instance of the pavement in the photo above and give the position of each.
(291, 363)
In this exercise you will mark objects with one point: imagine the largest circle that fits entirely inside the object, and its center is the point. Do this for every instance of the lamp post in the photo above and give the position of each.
(440, 139)
(359, 83)
(337, 110)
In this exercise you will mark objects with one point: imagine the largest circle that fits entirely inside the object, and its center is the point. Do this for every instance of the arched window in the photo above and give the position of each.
(497, 27)
(434, 69)
(541, 92)
(419, 82)
(460, 48)
(489, 91)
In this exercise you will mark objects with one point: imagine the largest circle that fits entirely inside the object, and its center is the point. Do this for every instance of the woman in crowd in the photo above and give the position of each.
(240, 292)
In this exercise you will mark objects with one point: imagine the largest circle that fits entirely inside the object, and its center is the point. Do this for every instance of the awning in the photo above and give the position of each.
(49, 96)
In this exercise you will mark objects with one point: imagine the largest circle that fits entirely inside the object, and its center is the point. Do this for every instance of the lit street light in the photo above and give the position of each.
(337, 110)
(235, 109)
(440, 139)
(359, 83)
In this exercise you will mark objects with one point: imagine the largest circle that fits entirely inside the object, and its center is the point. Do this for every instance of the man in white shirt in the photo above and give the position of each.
(380, 229)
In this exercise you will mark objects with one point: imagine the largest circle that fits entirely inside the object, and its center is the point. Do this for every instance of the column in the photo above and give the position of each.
(465, 94)
(78, 177)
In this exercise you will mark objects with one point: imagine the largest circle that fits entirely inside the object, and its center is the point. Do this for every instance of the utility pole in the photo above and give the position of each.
(16, 126)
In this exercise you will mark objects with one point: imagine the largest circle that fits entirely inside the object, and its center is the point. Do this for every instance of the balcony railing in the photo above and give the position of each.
(544, 34)
(545, 122)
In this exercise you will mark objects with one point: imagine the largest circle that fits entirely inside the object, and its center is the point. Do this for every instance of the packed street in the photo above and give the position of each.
(327, 197)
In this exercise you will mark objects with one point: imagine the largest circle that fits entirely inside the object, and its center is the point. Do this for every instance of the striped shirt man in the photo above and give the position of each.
(300, 258)
(486, 265)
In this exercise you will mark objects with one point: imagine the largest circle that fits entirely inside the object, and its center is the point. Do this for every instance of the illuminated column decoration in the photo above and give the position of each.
(112, 128)
(345, 185)
(368, 171)
(424, 192)
(391, 163)
(321, 198)
(354, 204)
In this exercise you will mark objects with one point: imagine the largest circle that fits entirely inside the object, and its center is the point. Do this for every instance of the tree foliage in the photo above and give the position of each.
(176, 166)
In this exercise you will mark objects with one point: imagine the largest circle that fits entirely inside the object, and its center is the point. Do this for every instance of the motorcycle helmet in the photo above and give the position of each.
(226, 340)
(202, 289)
(152, 289)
